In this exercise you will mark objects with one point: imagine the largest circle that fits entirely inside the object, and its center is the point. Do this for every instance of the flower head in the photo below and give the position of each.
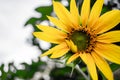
(85, 35)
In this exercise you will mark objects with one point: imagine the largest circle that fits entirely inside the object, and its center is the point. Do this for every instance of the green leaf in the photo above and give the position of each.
(114, 66)
(65, 74)
(46, 10)
(105, 9)
(32, 21)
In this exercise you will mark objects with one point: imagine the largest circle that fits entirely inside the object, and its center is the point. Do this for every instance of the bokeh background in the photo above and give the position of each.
(20, 50)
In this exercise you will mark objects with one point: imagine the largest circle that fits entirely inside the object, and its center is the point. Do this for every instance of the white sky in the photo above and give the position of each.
(13, 34)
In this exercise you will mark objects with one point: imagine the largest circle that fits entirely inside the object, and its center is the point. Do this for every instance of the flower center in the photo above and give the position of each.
(81, 39)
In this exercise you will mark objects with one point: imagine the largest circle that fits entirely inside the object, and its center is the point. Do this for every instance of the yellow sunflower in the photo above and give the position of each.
(86, 35)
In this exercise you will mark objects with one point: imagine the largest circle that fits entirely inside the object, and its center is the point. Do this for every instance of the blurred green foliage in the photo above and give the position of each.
(56, 73)
(26, 73)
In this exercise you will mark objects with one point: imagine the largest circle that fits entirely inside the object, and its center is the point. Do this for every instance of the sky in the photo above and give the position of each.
(13, 34)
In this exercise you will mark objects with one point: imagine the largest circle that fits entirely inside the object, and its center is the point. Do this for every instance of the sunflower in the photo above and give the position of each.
(86, 35)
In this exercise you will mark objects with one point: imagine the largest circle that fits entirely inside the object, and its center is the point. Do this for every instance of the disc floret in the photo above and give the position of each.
(83, 39)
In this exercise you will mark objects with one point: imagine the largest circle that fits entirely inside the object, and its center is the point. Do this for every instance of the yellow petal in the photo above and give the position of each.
(63, 14)
(57, 47)
(51, 31)
(72, 46)
(59, 53)
(59, 24)
(49, 38)
(107, 21)
(87, 58)
(48, 52)
(109, 37)
(95, 12)
(74, 12)
(72, 58)
(103, 66)
(85, 12)
(108, 51)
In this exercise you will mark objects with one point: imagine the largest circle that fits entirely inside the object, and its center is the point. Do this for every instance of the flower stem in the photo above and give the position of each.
(80, 70)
